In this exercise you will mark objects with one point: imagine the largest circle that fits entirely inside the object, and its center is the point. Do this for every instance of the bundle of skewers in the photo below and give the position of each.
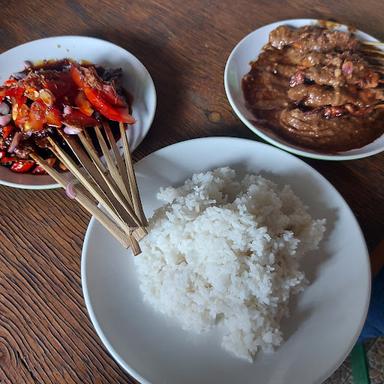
(108, 191)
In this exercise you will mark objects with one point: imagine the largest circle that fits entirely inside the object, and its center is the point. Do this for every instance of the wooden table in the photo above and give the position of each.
(45, 333)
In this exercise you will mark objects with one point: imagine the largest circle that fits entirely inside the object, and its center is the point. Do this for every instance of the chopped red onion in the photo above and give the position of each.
(15, 141)
(70, 190)
(67, 110)
(4, 108)
(347, 68)
(4, 120)
(71, 130)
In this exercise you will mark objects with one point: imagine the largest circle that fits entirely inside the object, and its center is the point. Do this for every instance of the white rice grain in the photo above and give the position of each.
(224, 252)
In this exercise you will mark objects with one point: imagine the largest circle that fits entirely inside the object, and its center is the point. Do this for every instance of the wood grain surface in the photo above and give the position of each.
(45, 333)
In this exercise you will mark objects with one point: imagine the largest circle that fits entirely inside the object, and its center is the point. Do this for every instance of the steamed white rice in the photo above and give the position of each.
(225, 252)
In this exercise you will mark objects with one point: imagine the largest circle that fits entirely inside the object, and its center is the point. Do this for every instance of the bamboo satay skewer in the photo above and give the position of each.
(132, 177)
(94, 189)
(133, 235)
(103, 180)
(118, 158)
(87, 143)
(90, 149)
(117, 178)
(87, 203)
(374, 43)
(110, 163)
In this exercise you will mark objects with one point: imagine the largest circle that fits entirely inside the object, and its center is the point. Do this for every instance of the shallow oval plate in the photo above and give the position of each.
(136, 80)
(323, 326)
(237, 66)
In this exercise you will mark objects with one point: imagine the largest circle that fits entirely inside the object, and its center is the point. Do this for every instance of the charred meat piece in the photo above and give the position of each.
(312, 38)
(339, 70)
(335, 77)
(315, 96)
(332, 68)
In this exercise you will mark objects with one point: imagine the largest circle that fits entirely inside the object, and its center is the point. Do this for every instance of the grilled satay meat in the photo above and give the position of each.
(313, 86)
(312, 38)
(337, 70)
(315, 96)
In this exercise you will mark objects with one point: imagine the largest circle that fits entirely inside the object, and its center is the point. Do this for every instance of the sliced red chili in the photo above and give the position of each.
(100, 96)
(108, 111)
(109, 93)
(16, 94)
(53, 117)
(36, 119)
(77, 76)
(22, 166)
(84, 105)
(9, 82)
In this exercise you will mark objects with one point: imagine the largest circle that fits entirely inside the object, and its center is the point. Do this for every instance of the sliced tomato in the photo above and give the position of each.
(76, 118)
(103, 97)
(109, 94)
(7, 130)
(108, 111)
(84, 105)
(36, 118)
(22, 166)
(53, 117)
(31, 93)
(20, 114)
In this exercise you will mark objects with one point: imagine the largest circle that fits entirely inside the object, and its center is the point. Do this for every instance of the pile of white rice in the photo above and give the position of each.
(225, 252)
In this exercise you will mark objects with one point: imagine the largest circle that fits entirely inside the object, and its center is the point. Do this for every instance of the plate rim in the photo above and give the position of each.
(84, 257)
(151, 114)
(269, 139)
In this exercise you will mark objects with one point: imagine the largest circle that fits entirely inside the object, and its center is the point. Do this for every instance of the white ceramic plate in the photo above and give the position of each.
(237, 66)
(136, 80)
(323, 327)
